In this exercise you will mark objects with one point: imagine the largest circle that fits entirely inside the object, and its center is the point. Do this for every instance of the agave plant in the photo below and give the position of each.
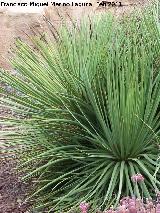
(86, 111)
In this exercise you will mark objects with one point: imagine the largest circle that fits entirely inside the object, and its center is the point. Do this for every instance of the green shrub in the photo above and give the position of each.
(86, 110)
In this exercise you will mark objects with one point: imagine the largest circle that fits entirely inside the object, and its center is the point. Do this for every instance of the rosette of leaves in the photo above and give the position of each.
(86, 111)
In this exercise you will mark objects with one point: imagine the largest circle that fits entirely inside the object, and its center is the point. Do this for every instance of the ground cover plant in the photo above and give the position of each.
(128, 205)
(86, 111)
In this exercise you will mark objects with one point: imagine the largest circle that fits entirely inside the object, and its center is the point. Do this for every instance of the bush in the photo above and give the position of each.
(86, 111)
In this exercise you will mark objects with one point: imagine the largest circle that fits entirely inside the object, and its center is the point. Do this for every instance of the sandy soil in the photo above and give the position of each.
(15, 25)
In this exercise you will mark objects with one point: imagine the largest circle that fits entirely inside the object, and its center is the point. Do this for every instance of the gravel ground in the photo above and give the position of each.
(12, 190)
